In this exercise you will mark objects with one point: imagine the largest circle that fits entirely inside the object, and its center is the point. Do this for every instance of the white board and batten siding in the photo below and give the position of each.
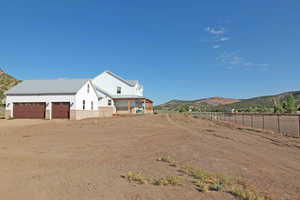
(110, 84)
(88, 94)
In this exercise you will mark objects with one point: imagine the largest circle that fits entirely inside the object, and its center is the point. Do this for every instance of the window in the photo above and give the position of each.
(92, 105)
(109, 102)
(83, 104)
(88, 88)
(119, 90)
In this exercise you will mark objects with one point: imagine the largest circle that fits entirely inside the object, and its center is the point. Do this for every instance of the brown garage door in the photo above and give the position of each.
(61, 110)
(29, 110)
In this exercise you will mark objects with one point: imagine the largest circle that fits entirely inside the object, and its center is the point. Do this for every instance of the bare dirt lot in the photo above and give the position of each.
(84, 160)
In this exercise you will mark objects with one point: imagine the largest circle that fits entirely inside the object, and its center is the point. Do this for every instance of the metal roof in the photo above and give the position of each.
(125, 97)
(131, 83)
(55, 86)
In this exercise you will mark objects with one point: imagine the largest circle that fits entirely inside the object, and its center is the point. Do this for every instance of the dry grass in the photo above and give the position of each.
(167, 159)
(170, 180)
(202, 180)
(245, 193)
(136, 177)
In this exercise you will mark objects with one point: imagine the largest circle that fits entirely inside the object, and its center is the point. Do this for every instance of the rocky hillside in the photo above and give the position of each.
(227, 104)
(6, 82)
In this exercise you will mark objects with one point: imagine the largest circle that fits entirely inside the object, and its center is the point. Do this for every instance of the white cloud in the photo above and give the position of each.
(233, 58)
(222, 39)
(230, 59)
(215, 31)
(250, 64)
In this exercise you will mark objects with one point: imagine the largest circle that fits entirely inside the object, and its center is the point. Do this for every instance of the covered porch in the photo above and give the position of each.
(133, 105)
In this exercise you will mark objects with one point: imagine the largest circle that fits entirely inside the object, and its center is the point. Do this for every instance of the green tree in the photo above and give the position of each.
(184, 108)
(278, 108)
(291, 105)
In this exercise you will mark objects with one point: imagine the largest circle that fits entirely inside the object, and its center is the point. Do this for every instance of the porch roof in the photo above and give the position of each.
(131, 97)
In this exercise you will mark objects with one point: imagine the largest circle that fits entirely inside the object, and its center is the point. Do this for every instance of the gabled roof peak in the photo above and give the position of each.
(131, 83)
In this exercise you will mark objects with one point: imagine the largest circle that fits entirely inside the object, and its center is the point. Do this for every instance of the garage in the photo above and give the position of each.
(60, 110)
(29, 110)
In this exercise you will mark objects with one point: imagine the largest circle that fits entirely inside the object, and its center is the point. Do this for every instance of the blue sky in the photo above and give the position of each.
(178, 49)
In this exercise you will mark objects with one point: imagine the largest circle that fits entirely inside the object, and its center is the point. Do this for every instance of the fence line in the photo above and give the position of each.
(285, 124)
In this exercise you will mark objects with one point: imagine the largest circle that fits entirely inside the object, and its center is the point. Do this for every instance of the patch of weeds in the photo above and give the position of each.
(216, 187)
(170, 160)
(136, 178)
(202, 180)
(167, 159)
(170, 180)
(11, 118)
(202, 187)
(244, 193)
(210, 130)
(195, 173)
(224, 180)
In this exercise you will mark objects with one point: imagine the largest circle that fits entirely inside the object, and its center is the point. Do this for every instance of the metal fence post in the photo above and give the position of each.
(243, 116)
(263, 118)
(251, 120)
(299, 126)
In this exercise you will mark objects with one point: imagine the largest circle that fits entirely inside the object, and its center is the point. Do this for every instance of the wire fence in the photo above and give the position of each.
(285, 124)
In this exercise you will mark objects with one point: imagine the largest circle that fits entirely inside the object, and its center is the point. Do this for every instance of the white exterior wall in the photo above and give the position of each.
(104, 102)
(89, 97)
(110, 84)
(139, 89)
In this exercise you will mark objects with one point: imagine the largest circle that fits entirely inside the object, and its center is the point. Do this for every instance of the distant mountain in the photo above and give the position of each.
(263, 101)
(198, 104)
(226, 104)
(6, 82)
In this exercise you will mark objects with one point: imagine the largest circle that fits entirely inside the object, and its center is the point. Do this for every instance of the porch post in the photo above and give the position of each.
(144, 105)
(129, 106)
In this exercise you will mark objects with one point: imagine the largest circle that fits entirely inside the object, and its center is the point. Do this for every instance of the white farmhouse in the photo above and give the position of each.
(75, 99)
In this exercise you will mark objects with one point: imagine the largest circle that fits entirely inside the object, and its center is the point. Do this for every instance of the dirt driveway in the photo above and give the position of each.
(70, 160)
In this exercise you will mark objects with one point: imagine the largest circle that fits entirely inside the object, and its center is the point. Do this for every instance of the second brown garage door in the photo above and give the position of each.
(29, 110)
(61, 110)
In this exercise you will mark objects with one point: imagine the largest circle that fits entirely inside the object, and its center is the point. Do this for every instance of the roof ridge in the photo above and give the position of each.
(119, 77)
